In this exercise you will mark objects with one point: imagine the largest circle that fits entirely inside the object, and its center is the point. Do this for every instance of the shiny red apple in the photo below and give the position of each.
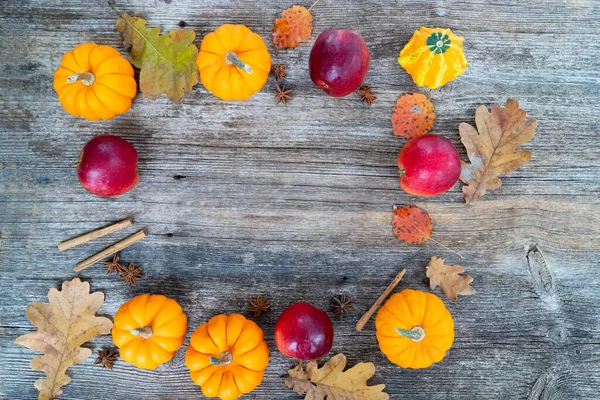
(338, 61)
(429, 165)
(108, 166)
(304, 332)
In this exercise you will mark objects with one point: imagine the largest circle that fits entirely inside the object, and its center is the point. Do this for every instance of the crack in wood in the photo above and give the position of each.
(544, 387)
(542, 280)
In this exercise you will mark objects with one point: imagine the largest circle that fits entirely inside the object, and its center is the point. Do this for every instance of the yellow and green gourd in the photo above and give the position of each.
(433, 57)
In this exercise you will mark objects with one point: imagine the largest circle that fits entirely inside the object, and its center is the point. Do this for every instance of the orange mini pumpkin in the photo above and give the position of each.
(227, 356)
(233, 62)
(414, 329)
(94, 82)
(149, 329)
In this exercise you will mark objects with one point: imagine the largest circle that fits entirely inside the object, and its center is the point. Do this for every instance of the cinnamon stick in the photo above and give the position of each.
(67, 244)
(128, 241)
(367, 316)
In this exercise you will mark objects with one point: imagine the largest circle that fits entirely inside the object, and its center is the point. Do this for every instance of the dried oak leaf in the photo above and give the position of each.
(167, 62)
(68, 321)
(447, 277)
(491, 147)
(411, 224)
(294, 27)
(332, 382)
(412, 115)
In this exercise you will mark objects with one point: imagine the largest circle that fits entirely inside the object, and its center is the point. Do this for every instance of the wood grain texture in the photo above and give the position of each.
(295, 201)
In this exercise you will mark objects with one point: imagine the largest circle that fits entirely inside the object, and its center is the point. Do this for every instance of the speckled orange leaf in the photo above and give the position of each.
(412, 115)
(294, 27)
(411, 224)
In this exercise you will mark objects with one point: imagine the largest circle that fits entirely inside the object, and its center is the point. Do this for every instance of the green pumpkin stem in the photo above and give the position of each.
(225, 358)
(232, 59)
(416, 334)
(87, 78)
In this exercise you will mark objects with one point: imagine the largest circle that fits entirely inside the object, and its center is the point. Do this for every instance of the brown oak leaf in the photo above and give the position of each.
(294, 27)
(411, 224)
(331, 382)
(68, 321)
(491, 147)
(447, 277)
(412, 115)
(167, 62)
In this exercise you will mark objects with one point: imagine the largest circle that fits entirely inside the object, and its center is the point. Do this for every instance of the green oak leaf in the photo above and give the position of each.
(167, 62)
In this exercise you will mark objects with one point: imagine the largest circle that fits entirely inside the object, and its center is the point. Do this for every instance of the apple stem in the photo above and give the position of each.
(87, 78)
(225, 358)
(232, 59)
(416, 334)
(144, 332)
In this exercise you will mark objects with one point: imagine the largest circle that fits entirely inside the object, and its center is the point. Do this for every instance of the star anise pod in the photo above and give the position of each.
(340, 304)
(259, 305)
(114, 265)
(131, 274)
(106, 358)
(278, 71)
(366, 94)
(282, 95)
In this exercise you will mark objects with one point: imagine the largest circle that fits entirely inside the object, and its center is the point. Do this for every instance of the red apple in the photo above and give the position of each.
(303, 331)
(108, 166)
(429, 165)
(338, 62)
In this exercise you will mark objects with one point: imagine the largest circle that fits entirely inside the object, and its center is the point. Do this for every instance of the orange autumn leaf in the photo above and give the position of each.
(412, 115)
(294, 27)
(411, 224)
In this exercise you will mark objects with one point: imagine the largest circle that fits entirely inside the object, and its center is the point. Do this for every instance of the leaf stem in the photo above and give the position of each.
(438, 243)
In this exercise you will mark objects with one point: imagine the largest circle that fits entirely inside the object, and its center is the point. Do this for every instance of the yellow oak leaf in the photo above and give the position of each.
(491, 147)
(167, 62)
(68, 321)
(447, 277)
(331, 382)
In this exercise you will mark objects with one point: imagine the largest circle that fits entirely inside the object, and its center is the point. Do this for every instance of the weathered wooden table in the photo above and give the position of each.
(295, 201)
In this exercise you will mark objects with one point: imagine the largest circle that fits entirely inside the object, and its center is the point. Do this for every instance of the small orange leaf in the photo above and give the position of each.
(294, 27)
(412, 115)
(411, 224)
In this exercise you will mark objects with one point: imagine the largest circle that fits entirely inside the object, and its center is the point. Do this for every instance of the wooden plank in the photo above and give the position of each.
(295, 201)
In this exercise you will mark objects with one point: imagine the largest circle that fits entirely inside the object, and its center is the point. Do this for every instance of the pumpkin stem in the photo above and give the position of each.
(144, 332)
(87, 78)
(415, 334)
(225, 358)
(232, 59)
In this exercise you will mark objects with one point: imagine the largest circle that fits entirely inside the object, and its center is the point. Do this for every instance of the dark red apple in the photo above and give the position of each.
(108, 166)
(429, 165)
(303, 331)
(338, 62)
